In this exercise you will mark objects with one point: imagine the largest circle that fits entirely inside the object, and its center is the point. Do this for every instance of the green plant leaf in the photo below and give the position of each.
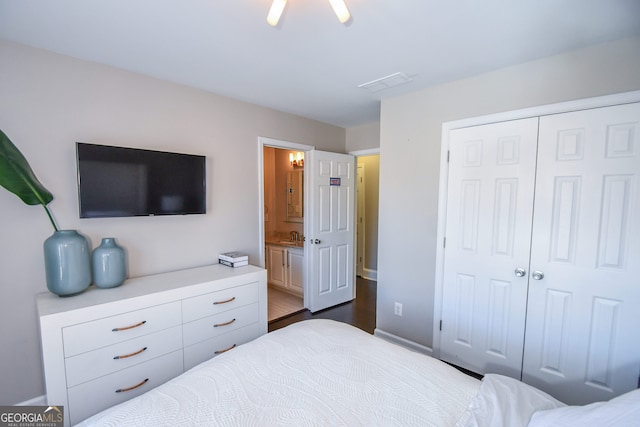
(17, 176)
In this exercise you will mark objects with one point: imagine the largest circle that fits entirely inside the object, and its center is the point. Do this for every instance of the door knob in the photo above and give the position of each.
(520, 272)
(537, 275)
(316, 241)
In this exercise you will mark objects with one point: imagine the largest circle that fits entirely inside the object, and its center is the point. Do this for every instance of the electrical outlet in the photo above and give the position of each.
(397, 309)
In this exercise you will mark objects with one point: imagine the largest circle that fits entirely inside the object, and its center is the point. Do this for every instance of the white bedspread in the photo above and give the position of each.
(316, 372)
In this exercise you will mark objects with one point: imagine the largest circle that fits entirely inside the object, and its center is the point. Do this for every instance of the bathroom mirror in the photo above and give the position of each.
(294, 196)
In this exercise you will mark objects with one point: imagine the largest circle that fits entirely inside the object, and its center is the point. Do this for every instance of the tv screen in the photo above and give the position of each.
(120, 182)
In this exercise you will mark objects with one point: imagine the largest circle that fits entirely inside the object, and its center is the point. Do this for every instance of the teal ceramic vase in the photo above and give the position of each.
(67, 262)
(109, 264)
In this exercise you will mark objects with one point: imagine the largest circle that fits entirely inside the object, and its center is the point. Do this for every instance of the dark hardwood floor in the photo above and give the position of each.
(361, 312)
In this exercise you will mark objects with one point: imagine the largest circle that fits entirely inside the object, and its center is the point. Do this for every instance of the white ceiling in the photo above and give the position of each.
(311, 65)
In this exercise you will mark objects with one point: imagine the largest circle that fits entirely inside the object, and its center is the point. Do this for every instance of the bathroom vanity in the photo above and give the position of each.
(285, 266)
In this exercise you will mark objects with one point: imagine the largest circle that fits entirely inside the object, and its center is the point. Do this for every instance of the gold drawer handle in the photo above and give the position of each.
(225, 301)
(122, 390)
(225, 350)
(129, 327)
(224, 324)
(130, 355)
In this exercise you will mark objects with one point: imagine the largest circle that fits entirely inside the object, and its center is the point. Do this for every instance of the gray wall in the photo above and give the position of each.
(363, 137)
(410, 138)
(51, 101)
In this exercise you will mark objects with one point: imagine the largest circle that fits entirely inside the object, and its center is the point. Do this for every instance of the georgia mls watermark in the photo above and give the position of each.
(31, 416)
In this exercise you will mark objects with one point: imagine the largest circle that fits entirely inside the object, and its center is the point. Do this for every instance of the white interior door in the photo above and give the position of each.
(488, 232)
(329, 229)
(582, 341)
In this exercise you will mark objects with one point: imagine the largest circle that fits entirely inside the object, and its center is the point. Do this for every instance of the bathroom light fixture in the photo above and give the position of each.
(277, 7)
(297, 160)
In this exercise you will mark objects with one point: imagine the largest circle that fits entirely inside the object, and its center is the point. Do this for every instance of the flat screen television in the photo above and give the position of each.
(122, 182)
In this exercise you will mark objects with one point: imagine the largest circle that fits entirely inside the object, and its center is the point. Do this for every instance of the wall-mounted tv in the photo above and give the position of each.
(121, 182)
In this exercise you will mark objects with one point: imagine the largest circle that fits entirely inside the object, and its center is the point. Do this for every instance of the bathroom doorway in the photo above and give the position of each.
(276, 260)
(283, 171)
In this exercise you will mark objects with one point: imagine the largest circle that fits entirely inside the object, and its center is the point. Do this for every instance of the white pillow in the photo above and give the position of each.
(504, 401)
(621, 411)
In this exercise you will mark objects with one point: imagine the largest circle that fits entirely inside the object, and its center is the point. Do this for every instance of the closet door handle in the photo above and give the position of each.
(520, 272)
(537, 275)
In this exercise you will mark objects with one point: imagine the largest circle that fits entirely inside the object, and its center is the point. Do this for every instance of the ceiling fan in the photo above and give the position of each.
(277, 7)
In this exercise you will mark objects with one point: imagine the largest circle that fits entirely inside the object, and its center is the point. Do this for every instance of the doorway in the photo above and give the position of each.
(368, 176)
(265, 215)
(281, 235)
(283, 230)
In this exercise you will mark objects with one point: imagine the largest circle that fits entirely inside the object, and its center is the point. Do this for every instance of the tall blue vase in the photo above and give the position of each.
(109, 264)
(67, 262)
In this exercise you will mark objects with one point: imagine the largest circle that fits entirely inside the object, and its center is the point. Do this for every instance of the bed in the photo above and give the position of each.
(322, 372)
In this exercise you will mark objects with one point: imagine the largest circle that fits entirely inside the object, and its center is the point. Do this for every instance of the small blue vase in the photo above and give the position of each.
(109, 264)
(67, 263)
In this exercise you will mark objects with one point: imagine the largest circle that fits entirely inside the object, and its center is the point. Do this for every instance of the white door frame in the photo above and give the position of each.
(275, 143)
(563, 107)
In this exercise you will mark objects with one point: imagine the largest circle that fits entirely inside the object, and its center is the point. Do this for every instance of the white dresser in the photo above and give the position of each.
(105, 346)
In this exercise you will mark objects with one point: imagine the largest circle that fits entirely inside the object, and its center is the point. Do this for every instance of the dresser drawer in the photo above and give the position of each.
(205, 350)
(220, 301)
(103, 361)
(213, 326)
(110, 330)
(94, 396)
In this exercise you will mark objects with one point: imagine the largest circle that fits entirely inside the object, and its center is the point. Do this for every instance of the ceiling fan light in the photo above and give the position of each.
(277, 7)
(340, 8)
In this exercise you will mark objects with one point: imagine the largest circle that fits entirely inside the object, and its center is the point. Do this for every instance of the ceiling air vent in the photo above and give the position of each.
(395, 79)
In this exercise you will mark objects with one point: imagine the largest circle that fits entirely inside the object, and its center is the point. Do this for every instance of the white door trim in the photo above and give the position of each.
(563, 107)
(276, 143)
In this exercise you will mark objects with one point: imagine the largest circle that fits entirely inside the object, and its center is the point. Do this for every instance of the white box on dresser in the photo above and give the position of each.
(104, 346)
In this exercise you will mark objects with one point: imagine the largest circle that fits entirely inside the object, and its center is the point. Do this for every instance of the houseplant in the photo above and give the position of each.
(66, 253)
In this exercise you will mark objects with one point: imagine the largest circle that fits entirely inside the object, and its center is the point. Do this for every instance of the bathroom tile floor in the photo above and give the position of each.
(282, 304)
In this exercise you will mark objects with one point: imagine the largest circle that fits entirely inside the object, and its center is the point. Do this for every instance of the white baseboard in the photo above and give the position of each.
(36, 401)
(411, 345)
(370, 274)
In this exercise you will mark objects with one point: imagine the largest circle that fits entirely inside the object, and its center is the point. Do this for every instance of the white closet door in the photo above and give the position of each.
(488, 232)
(582, 341)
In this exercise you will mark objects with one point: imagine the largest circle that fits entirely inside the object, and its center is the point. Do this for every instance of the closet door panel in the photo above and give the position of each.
(488, 231)
(581, 332)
